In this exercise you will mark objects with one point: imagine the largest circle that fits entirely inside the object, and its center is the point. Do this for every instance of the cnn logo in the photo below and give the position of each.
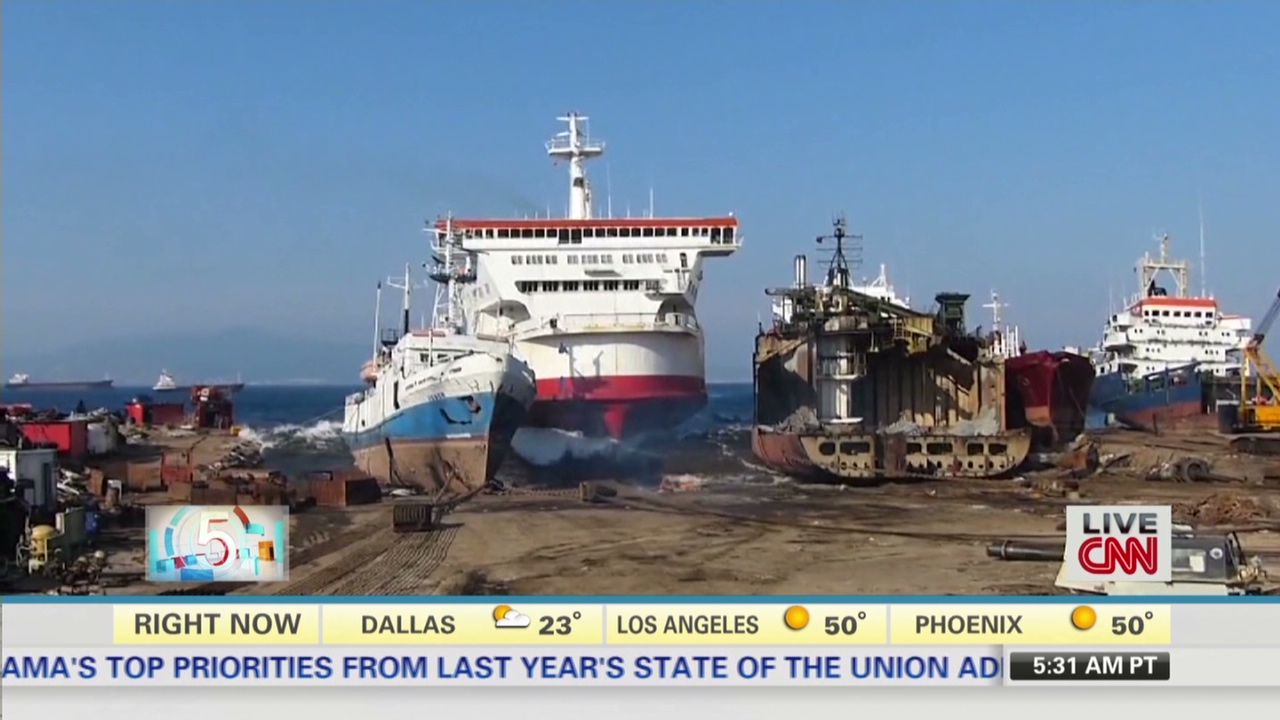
(1119, 542)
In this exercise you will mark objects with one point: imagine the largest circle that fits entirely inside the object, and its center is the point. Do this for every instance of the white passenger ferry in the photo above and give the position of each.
(603, 308)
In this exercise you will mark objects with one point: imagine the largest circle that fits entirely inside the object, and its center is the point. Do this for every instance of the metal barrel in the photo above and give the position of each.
(1014, 550)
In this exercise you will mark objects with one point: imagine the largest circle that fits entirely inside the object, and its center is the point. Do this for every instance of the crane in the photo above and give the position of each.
(1257, 412)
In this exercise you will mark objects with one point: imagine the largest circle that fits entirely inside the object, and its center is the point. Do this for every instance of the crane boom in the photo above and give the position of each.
(1258, 412)
(1268, 320)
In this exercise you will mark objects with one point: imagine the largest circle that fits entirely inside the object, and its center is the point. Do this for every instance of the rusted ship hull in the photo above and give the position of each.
(821, 455)
(851, 386)
(1049, 391)
(1182, 418)
(410, 451)
(454, 468)
(933, 413)
(1176, 400)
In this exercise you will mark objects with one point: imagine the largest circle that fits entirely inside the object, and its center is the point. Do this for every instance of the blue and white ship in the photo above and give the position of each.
(1169, 359)
(441, 404)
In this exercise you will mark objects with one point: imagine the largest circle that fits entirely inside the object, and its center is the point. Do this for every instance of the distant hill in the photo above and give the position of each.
(256, 355)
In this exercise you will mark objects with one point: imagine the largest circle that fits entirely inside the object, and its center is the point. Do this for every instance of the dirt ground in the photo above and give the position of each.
(772, 535)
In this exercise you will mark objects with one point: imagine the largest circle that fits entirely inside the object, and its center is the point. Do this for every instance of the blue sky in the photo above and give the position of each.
(228, 164)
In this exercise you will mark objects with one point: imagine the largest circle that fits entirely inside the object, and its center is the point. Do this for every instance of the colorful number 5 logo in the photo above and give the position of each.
(208, 536)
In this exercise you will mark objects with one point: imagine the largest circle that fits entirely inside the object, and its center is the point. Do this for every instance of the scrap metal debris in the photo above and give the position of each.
(987, 422)
(1220, 509)
(802, 419)
(592, 492)
(1184, 469)
(1080, 459)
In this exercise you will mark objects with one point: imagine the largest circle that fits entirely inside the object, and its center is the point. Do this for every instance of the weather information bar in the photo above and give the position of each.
(704, 641)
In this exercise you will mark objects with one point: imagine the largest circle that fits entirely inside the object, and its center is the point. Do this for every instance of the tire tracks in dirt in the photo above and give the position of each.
(403, 569)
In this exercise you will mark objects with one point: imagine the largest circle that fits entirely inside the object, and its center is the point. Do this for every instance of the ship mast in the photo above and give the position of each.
(406, 285)
(1151, 268)
(377, 320)
(576, 146)
(1006, 338)
(452, 268)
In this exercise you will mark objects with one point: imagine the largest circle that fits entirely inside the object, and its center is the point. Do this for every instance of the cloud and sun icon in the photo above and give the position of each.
(505, 616)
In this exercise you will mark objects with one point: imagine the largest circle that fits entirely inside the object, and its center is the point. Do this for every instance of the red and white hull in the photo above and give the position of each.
(601, 308)
(620, 384)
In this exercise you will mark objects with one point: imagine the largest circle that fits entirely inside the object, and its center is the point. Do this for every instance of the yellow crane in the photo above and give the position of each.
(1258, 412)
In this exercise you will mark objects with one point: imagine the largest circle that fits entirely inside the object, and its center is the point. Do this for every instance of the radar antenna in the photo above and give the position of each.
(838, 272)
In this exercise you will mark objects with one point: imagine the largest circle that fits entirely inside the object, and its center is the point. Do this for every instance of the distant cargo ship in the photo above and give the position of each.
(167, 384)
(22, 381)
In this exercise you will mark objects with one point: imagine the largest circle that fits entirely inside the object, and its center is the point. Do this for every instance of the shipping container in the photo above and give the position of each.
(70, 436)
(175, 469)
(39, 466)
(152, 413)
(138, 475)
(102, 438)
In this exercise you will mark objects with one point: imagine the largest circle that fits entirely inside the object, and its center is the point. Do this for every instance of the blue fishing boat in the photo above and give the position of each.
(441, 405)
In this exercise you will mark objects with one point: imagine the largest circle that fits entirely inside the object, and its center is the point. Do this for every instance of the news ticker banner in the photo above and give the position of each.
(711, 641)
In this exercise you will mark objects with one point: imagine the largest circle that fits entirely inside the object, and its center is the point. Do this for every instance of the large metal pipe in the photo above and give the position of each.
(802, 271)
(1014, 550)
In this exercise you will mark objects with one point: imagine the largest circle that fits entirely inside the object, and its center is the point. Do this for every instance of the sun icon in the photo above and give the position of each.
(501, 612)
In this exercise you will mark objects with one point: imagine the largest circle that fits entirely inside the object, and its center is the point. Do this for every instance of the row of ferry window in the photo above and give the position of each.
(1178, 313)
(567, 236)
(605, 259)
(532, 286)
(1226, 334)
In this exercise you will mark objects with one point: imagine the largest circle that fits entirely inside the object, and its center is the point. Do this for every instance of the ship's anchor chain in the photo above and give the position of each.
(443, 507)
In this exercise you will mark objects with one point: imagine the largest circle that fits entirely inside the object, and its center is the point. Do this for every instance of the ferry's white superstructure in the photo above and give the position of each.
(603, 309)
(1158, 330)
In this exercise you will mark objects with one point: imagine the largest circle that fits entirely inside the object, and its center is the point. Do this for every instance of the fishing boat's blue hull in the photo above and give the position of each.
(451, 445)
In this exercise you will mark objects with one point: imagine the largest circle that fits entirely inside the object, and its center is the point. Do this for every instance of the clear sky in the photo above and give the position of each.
(234, 164)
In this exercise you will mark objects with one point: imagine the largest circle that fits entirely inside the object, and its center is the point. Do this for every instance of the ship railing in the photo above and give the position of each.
(607, 321)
